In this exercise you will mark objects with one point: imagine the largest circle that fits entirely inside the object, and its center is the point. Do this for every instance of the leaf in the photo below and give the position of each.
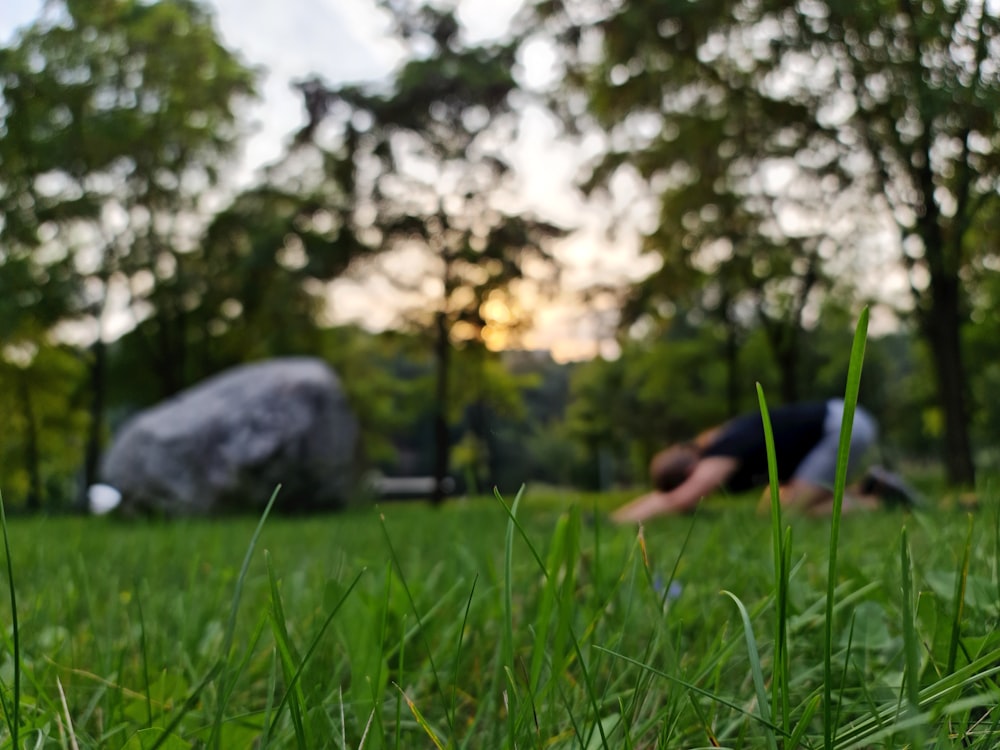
(980, 592)
(145, 739)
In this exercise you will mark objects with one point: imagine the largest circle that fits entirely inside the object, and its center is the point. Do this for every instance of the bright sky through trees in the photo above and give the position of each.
(346, 41)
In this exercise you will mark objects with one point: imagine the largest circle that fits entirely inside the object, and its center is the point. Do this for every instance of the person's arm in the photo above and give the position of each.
(708, 475)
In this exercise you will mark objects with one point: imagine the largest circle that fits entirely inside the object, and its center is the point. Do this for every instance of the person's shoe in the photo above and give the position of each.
(890, 488)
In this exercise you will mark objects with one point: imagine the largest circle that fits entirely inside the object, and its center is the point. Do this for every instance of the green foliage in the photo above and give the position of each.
(117, 116)
(428, 167)
(982, 344)
(41, 425)
(427, 163)
(117, 107)
(387, 383)
(775, 138)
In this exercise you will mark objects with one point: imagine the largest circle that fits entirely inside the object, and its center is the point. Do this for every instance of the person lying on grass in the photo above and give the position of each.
(733, 456)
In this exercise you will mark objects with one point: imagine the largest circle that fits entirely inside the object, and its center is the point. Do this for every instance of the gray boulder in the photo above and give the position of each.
(223, 445)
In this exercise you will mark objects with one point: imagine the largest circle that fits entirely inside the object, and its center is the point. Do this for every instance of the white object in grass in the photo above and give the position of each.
(103, 498)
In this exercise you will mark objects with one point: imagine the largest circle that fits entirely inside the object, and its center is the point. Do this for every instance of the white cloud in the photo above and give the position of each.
(339, 40)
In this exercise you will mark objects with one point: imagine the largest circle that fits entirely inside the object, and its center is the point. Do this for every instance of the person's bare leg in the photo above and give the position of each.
(852, 504)
(803, 497)
(811, 500)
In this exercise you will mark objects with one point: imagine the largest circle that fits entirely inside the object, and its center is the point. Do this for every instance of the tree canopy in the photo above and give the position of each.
(429, 168)
(117, 119)
(790, 142)
(787, 161)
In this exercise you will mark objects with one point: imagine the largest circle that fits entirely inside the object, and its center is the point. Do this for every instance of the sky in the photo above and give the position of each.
(345, 41)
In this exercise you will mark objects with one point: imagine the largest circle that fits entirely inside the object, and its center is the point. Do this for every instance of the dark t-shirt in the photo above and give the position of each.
(797, 429)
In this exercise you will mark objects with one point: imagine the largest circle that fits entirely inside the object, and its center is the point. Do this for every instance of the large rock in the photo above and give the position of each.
(225, 444)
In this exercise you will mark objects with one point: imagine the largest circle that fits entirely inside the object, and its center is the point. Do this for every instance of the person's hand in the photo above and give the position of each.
(642, 508)
(650, 505)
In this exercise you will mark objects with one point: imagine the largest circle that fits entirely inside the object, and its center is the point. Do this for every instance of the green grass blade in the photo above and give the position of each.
(566, 574)
(421, 721)
(512, 519)
(733, 705)
(996, 549)
(224, 687)
(961, 580)
(144, 653)
(927, 704)
(13, 713)
(911, 643)
(772, 476)
(458, 648)
(189, 703)
(592, 693)
(756, 671)
(507, 663)
(802, 726)
(565, 631)
(782, 557)
(847, 664)
(293, 695)
(782, 668)
(543, 620)
(272, 688)
(839, 485)
(400, 662)
(421, 630)
(293, 688)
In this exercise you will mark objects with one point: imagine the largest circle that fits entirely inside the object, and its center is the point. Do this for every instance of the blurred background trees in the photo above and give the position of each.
(784, 142)
(117, 119)
(428, 176)
(783, 163)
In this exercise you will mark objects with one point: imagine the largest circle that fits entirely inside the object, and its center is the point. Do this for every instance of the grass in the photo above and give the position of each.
(505, 622)
(462, 628)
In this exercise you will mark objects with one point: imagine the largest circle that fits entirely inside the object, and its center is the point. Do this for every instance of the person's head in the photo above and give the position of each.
(671, 466)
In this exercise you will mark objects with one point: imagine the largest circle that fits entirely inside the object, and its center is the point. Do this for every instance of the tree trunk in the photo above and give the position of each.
(942, 328)
(442, 438)
(485, 465)
(784, 342)
(98, 377)
(734, 382)
(31, 453)
(788, 364)
(941, 322)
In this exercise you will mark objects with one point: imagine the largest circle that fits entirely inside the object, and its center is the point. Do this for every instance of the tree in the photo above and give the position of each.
(259, 275)
(712, 154)
(42, 421)
(882, 112)
(36, 376)
(117, 116)
(33, 372)
(925, 112)
(429, 179)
